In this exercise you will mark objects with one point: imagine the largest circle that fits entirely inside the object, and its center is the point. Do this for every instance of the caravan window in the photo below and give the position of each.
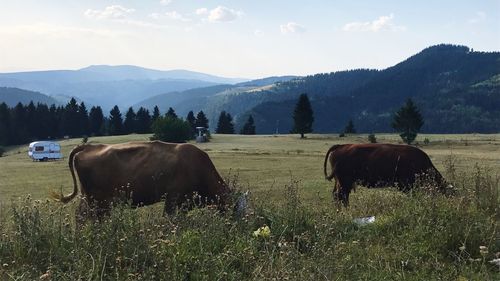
(38, 148)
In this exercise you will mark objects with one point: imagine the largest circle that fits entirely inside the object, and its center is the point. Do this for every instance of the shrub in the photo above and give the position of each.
(372, 138)
(426, 141)
(2, 151)
(171, 130)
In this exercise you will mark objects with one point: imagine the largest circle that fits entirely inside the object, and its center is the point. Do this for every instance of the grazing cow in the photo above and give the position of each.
(143, 173)
(374, 165)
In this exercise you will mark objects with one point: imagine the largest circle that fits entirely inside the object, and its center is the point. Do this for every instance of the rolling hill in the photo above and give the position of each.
(456, 89)
(13, 96)
(107, 86)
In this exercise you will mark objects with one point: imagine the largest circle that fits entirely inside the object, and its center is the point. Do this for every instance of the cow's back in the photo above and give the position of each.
(378, 164)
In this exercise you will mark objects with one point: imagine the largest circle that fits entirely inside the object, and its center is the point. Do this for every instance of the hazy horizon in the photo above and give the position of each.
(237, 38)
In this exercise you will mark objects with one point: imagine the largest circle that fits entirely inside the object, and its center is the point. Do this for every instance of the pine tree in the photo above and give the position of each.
(19, 131)
(115, 121)
(408, 121)
(84, 119)
(192, 121)
(129, 125)
(201, 120)
(54, 121)
(96, 121)
(349, 128)
(248, 127)
(171, 113)
(5, 137)
(71, 119)
(156, 113)
(303, 116)
(143, 125)
(42, 116)
(225, 124)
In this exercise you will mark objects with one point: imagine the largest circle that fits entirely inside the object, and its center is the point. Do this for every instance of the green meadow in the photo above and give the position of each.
(418, 236)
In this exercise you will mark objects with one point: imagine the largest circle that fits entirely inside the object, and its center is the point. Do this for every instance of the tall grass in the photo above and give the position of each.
(419, 236)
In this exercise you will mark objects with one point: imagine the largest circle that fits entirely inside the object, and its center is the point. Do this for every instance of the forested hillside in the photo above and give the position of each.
(13, 96)
(457, 90)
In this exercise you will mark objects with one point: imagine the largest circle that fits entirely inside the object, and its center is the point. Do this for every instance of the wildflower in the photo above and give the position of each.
(462, 248)
(263, 231)
(483, 250)
(46, 275)
(495, 261)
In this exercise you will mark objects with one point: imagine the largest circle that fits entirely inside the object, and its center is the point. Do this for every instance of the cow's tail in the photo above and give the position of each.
(330, 176)
(60, 196)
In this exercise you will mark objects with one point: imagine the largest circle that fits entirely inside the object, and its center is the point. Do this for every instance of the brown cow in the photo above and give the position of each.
(375, 165)
(144, 173)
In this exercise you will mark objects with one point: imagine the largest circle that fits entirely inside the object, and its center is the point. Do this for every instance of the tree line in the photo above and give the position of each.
(24, 123)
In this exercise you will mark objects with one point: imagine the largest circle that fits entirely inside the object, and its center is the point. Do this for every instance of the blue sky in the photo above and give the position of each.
(250, 39)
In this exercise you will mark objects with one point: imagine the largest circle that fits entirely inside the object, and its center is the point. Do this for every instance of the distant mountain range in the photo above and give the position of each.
(456, 89)
(107, 86)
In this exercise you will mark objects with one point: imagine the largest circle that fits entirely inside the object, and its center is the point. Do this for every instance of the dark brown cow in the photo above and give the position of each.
(374, 165)
(144, 173)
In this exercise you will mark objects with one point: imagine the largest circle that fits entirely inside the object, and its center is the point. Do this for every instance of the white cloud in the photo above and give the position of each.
(479, 17)
(258, 32)
(201, 11)
(292, 27)
(223, 14)
(55, 31)
(165, 2)
(382, 23)
(174, 15)
(154, 16)
(110, 12)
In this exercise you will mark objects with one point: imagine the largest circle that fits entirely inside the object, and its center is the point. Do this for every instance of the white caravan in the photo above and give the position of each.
(44, 150)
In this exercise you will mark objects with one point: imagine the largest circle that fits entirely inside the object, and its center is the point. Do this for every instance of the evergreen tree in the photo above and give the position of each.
(96, 121)
(33, 125)
(349, 128)
(115, 121)
(408, 121)
(43, 121)
(156, 113)
(84, 119)
(303, 116)
(19, 131)
(129, 125)
(71, 119)
(192, 121)
(248, 127)
(5, 137)
(225, 124)
(171, 113)
(201, 120)
(54, 121)
(143, 125)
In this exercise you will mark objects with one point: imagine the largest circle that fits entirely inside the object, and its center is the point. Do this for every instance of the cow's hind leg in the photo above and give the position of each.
(341, 192)
(90, 210)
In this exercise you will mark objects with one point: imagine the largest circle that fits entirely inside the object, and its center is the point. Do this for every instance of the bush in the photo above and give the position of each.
(426, 141)
(372, 138)
(2, 151)
(171, 130)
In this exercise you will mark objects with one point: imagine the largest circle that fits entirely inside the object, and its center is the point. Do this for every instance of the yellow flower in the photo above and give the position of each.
(263, 231)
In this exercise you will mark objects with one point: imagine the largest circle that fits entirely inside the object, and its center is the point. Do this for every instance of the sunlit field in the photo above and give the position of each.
(418, 236)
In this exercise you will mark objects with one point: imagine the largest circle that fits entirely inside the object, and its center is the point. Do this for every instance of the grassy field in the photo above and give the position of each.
(417, 237)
